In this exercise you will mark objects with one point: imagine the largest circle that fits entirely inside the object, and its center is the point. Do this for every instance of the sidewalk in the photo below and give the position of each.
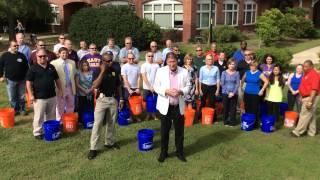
(312, 54)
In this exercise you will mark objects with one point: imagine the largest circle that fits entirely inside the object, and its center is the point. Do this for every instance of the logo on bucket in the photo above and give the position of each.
(56, 135)
(289, 122)
(69, 125)
(138, 109)
(147, 145)
(207, 119)
(89, 124)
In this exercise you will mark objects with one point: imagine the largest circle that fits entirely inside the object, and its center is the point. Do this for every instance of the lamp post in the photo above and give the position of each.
(211, 21)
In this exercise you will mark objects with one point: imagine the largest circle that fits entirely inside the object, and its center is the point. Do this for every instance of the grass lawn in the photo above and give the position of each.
(213, 152)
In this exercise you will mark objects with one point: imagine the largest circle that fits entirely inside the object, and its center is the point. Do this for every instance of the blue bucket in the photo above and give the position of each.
(247, 122)
(267, 123)
(88, 119)
(51, 130)
(263, 109)
(151, 101)
(283, 108)
(124, 116)
(145, 139)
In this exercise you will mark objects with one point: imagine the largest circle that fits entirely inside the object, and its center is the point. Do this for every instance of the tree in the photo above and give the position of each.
(11, 10)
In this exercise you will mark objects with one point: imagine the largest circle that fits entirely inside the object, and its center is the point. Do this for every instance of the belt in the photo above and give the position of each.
(173, 106)
(305, 96)
(102, 95)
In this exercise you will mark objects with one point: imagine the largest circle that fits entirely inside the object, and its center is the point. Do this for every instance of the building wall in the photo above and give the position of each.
(68, 7)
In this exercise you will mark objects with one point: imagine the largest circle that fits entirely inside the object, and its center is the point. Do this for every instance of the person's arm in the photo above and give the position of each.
(96, 83)
(136, 54)
(265, 83)
(242, 81)
(237, 83)
(218, 82)
(138, 83)
(145, 80)
(1, 68)
(59, 87)
(289, 83)
(29, 90)
(77, 80)
(200, 81)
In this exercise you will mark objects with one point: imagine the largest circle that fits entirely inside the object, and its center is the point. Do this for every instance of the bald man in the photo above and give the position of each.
(49, 55)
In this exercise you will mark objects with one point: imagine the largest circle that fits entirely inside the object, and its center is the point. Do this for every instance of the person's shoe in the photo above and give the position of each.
(162, 157)
(148, 117)
(92, 154)
(292, 134)
(115, 146)
(39, 137)
(182, 158)
(23, 113)
(17, 113)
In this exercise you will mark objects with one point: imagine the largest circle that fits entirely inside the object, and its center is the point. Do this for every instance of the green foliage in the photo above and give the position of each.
(269, 26)
(97, 24)
(173, 34)
(223, 34)
(282, 55)
(228, 49)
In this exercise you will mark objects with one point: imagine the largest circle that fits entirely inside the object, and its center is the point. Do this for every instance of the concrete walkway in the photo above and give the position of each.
(312, 54)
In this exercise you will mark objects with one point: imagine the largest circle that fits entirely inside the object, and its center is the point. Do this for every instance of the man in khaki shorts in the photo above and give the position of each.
(108, 85)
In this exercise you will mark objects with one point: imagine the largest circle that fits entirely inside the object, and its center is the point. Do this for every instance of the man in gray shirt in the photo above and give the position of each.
(127, 50)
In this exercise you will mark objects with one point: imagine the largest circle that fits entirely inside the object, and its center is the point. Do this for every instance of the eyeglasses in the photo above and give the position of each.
(42, 56)
(128, 43)
(42, 45)
(209, 59)
(150, 56)
(175, 49)
(131, 58)
(15, 46)
(247, 55)
(61, 38)
(199, 50)
(107, 61)
(93, 48)
(154, 46)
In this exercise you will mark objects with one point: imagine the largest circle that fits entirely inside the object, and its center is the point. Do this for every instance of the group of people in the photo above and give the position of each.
(66, 80)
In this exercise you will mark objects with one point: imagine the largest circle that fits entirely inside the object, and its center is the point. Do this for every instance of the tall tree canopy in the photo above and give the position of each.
(25, 10)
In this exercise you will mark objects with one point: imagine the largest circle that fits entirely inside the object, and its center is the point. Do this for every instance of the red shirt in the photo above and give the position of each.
(214, 54)
(310, 81)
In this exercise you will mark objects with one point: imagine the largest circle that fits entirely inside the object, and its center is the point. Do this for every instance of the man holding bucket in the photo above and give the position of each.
(109, 86)
(171, 83)
(41, 80)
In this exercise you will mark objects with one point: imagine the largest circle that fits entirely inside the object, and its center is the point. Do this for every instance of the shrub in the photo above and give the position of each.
(282, 56)
(97, 24)
(173, 34)
(227, 49)
(223, 34)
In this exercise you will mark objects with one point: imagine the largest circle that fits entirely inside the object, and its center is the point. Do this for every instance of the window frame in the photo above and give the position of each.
(55, 10)
(200, 11)
(245, 11)
(225, 11)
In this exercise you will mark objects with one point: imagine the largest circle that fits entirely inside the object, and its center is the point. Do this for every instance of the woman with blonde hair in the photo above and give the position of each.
(193, 80)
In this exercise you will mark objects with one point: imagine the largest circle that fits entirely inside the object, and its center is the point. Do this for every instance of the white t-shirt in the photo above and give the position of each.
(82, 53)
(115, 52)
(157, 56)
(150, 69)
(57, 47)
(132, 71)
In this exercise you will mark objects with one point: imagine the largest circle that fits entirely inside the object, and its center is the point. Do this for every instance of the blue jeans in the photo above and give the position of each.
(16, 93)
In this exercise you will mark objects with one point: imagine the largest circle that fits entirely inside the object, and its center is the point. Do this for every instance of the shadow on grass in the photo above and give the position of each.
(205, 142)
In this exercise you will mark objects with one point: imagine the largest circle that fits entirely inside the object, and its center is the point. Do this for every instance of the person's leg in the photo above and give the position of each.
(11, 89)
(40, 105)
(298, 102)
(212, 96)
(69, 100)
(248, 103)
(178, 122)
(204, 96)
(291, 101)
(269, 108)
(60, 107)
(312, 130)
(51, 109)
(256, 107)
(305, 117)
(226, 109)
(111, 117)
(21, 95)
(233, 110)
(276, 110)
(99, 116)
(81, 106)
(165, 130)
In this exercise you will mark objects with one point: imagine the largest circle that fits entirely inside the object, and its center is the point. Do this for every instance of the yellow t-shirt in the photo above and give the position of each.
(274, 92)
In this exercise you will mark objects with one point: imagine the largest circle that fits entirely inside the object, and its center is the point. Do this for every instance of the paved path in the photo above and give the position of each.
(312, 54)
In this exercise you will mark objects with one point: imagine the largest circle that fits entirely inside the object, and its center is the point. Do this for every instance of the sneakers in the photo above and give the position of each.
(182, 158)
(162, 157)
(39, 137)
(115, 146)
(92, 154)
(292, 134)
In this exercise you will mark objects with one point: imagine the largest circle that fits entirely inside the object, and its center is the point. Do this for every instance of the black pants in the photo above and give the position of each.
(292, 100)
(229, 109)
(273, 109)
(84, 104)
(252, 105)
(174, 116)
(208, 92)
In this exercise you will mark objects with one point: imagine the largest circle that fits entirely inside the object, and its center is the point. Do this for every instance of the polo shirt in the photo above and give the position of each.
(110, 82)
(214, 54)
(209, 77)
(14, 66)
(238, 55)
(124, 52)
(199, 61)
(309, 82)
(43, 81)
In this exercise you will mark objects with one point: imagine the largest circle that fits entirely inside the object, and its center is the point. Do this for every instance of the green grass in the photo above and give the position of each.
(213, 152)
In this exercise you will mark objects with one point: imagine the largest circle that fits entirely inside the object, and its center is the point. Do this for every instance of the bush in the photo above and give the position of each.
(223, 34)
(97, 24)
(228, 49)
(174, 35)
(282, 56)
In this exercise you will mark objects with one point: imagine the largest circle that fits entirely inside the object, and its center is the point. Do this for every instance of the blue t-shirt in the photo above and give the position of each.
(252, 82)
(295, 82)
(238, 56)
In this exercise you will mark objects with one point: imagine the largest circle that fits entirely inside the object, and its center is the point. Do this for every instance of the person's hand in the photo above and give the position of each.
(196, 92)
(217, 93)
(261, 92)
(32, 98)
(59, 93)
(201, 93)
(309, 105)
(231, 94)
(170, 92)
(121, 103)
(177, 92)
(137, 91)
(151, 89)
(103, 67)
(130, 91)
(88, 91)
(2, 79)
(296, 92)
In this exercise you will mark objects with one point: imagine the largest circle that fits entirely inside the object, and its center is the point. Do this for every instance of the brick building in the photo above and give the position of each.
(190, 16)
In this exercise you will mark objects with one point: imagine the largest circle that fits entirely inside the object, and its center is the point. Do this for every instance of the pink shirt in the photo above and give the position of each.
(174, 84)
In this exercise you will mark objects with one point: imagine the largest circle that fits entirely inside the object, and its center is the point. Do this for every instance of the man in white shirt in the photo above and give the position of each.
(113, 48)
(59, 45)
(128, 49)
(148, 73)
(157, 55)
(83, 49)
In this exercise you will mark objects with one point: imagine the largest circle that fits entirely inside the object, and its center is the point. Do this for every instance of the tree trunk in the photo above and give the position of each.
(11, 27)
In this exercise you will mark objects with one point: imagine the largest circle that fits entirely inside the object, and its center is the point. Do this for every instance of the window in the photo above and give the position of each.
(250, 9)
(166, 13)
(56, 14)
(203, 14)
(230, 9)
(115, 3)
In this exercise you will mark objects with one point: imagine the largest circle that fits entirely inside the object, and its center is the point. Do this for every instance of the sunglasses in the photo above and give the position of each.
(150, 56)
(199, 50)
(131, 58)
(61, 38)
(247, 54)
(154, 46)
(42, 45)
(128, 43)
(42, 56)
(107, 61)
(15, 46)
(93, 48)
